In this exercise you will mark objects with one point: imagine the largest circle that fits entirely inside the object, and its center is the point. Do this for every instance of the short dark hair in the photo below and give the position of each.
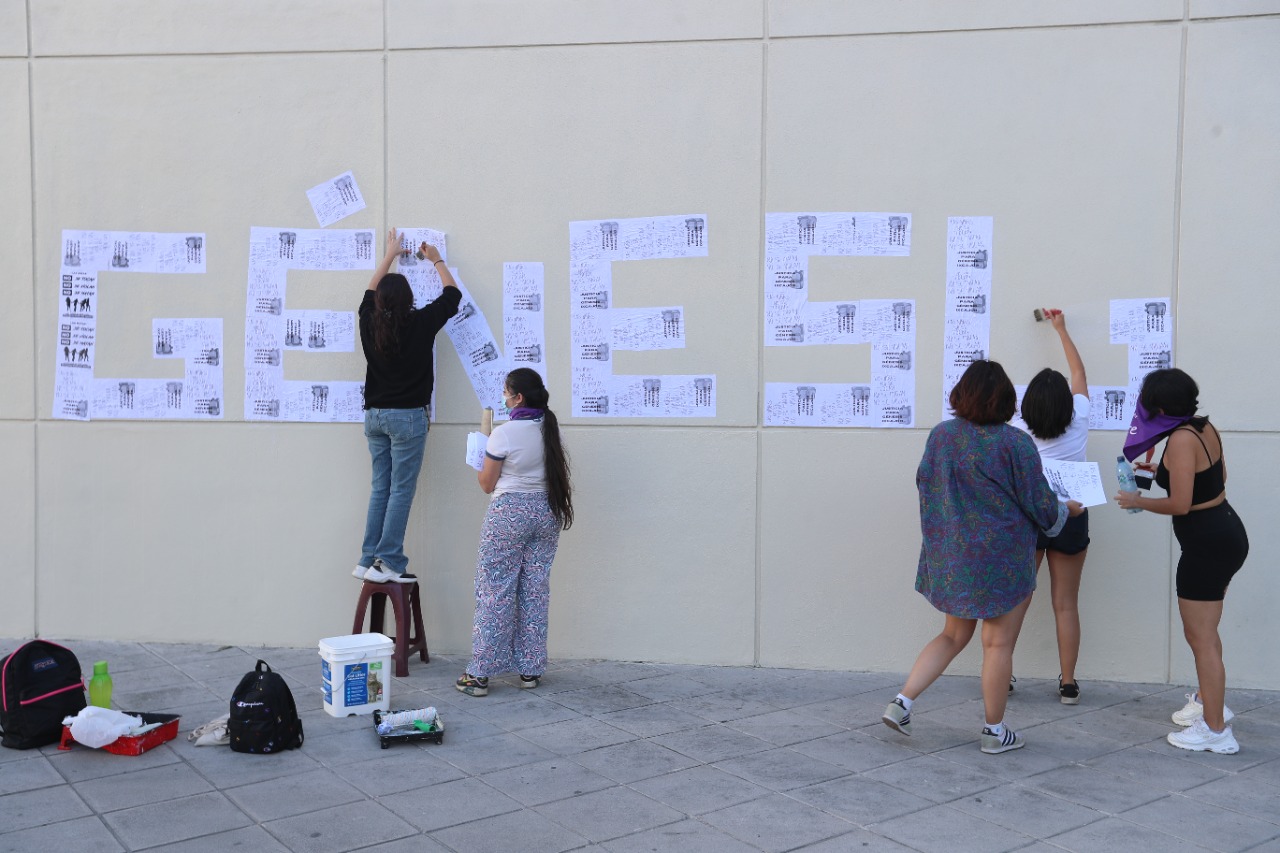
(984, 394)
(1170, 391)
(1048, 405)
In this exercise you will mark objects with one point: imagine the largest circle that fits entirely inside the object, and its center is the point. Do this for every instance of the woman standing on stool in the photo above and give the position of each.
(527, 472)
(1213, 540)
(397, 343)
(1056, 416)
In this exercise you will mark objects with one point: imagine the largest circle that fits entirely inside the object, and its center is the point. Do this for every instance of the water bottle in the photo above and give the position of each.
(100, 686)
(1128, 483)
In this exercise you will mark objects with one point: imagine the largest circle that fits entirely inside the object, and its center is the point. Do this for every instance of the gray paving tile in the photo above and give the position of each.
(1086, 786)
(711, 743)
(153, 785)
(1018, 764)
(82, 835)
(545, 781)
(862, 840)
(1267, 774)
(856, 751)
(621, 672)
(861, 800)
(1111, 834)
(227, 663)
(179, 695)
(600, 700)
(1204, 823)
(405, 769)
(183, 652)
(355, 825)
(633, 761)
(926, 736)
(294, 795)
(498, 752)
(523, 712)
(1164, 768)
(935, 778)
(566, 681)
(346, 747)
(848, 712)
(449, 803)
(1115, 724)
(611, 813)
(1026, 810)
(251, 838)
(688, 836)
(227, 769)
(120, 657)
(525, 830)
(576, 735)
(783, 728)
(651, 720)
(81, 763)
(781, 769)
(698, 790)
(665, 687)
(777, 822)
(722, 707)
(32, 772)
(793, 692)
(175, 820)
(411, 844)
(35, 808)
(1069, 744)
(1239, 793)
(943, 829)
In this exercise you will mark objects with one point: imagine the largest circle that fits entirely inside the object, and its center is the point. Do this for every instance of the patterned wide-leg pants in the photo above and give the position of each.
(513, 586)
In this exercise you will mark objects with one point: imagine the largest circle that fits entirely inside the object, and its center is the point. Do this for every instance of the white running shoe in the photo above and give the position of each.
(994, 744)
(897, 717)
(1194, 710)
(359, 572)
(381, 574)
(1198, 737)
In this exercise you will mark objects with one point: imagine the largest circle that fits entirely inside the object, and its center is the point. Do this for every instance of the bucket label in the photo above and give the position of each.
(356, 684)
(325, 672)
(375, 681)
(327, 689)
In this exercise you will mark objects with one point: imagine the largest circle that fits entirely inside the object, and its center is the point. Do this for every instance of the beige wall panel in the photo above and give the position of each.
(116, 27)
(1227, 298)
(552, 135)
(13, 28)
(1057, 150)
(840, 543)
(1248, 627)
(17, 330)
(841, 17)
(220, 533)
(243, 153)
(659, 564)
(1229, 8)
(17, 529)
(479, 23)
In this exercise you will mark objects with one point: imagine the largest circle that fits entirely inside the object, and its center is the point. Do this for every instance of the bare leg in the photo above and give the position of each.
(938, 655)
(999, 635)
(1064, 579)
(1200, 626)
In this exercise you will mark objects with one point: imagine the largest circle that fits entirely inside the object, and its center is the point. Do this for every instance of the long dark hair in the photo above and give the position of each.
(1048, 406)
(528, 383)
(392, 304)
(1173, 392)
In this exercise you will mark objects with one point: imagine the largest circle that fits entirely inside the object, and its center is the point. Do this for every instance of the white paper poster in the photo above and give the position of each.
(335, 199)
(966, 335)
(1077, 481)
(1145, 326)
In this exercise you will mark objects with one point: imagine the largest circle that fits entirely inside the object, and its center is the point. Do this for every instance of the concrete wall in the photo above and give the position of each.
(1126, 148)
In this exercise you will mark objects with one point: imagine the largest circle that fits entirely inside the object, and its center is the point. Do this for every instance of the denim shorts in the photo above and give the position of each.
(1072, 539)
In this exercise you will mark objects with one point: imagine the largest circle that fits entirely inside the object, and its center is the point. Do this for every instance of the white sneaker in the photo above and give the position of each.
(897, 717)
(381, 574)
(994, 744)
(1194, 710)
(360, 571)
(1200, 738)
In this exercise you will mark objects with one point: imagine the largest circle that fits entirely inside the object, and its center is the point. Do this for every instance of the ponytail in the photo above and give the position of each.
(528, 383)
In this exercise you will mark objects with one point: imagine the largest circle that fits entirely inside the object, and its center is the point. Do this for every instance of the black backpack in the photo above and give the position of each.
(264, 717)
(40, 683)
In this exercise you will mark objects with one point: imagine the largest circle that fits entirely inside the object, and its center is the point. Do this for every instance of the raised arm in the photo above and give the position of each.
(1079, 384)
(394, 250)
(433, 255)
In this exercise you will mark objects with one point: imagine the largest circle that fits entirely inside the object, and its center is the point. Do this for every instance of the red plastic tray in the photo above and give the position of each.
(135, 744)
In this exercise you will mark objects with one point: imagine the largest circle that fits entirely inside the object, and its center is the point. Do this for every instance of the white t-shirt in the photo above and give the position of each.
(1071, 445)
(519, 445)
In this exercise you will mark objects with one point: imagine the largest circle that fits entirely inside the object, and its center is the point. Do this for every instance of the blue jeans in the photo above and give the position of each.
(397, 439)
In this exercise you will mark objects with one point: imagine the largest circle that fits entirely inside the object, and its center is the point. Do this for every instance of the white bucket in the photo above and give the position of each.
(356, 674)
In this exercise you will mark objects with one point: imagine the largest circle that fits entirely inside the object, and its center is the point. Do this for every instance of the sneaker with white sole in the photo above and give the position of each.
(897, 717)
(1194, 710)
(994, 744)
(381, 574)
(529, 682)
(360, 571)
(1068, 692)
(1198, 737)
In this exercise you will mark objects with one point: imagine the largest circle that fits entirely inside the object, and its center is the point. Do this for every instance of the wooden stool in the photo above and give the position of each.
(406, 603)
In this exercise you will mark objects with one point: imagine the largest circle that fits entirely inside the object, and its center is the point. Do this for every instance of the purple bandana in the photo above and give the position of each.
(521, 413)
(1145, 431)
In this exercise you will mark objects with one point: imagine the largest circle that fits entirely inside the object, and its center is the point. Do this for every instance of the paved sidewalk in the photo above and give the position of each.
(629, 757)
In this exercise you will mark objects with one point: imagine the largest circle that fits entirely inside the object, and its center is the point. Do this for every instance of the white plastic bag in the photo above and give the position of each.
(97, 727)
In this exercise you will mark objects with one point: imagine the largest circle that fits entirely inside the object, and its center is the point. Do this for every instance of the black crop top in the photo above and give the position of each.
(1208, 483)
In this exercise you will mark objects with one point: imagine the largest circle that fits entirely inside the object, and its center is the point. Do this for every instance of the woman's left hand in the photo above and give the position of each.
(393, 244)
(1127, 500)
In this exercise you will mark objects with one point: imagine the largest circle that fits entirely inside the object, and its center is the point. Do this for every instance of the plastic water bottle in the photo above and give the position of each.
(1128, 483)
(100, 686)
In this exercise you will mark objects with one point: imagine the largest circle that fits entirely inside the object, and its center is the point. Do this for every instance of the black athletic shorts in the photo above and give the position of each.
(1071, 539)
(1214, 547)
